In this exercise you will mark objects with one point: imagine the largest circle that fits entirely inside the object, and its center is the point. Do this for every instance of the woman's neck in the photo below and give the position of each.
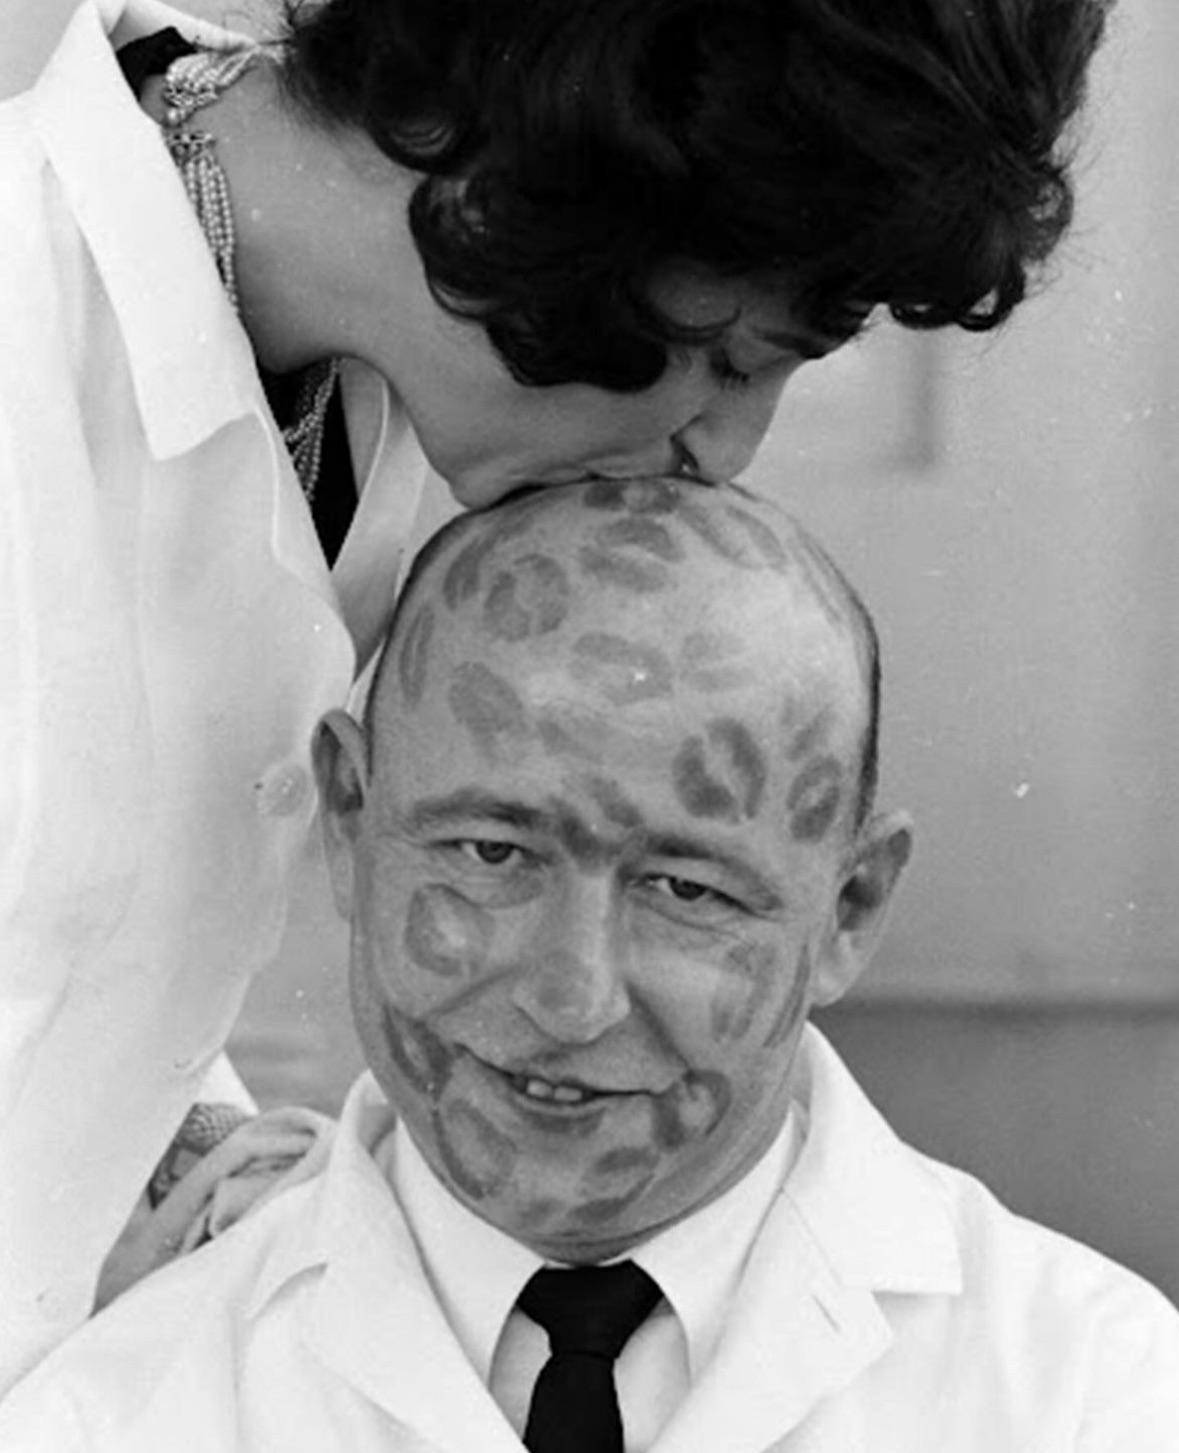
(319, 221)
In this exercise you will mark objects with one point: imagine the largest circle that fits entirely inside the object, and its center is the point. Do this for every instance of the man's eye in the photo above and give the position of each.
(686, 890)
(489, 851)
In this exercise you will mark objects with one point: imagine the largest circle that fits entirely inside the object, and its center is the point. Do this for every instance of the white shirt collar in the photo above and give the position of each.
(478, 1272)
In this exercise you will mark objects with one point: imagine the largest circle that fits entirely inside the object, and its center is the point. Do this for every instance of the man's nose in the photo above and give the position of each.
(572, 982)
(724, 436)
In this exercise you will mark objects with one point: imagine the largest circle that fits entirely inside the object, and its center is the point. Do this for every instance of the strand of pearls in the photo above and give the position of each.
(190, 82)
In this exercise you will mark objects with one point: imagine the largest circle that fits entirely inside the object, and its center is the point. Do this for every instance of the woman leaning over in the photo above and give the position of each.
(249, 292)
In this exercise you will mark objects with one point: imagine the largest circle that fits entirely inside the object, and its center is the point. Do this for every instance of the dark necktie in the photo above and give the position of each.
(589, 1313)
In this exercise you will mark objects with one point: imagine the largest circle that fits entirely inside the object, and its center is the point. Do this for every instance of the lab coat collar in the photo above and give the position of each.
(373, 1317)
(191, 363)
(859, 1216)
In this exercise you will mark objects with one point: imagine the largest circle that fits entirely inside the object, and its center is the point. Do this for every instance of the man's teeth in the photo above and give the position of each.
(543, 1090)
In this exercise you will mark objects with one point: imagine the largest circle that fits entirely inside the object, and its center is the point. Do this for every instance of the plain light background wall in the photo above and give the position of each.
(1010, 508)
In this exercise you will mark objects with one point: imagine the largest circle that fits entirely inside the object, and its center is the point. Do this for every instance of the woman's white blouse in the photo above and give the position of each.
(169, 635)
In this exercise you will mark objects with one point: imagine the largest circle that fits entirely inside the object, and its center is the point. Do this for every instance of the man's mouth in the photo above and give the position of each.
(550, 1093)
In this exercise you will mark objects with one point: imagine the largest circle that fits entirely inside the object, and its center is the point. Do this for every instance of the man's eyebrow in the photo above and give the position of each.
(467, 802)
(761, 891)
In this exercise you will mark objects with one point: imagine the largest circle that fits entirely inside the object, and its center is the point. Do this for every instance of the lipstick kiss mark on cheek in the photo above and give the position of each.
(418, 1055)
(445, 934)
(752, 970)
(603, 1210)
(691, 1109)
(793, 1005)
(477, 1156)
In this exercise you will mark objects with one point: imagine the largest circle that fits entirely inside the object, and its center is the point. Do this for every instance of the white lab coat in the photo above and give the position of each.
(888, 1305)
(169, 635)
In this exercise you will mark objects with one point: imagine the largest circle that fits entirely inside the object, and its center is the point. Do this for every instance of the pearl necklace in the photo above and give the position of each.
(190, 82)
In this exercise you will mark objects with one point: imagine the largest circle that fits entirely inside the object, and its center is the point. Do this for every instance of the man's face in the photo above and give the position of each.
(593, 885)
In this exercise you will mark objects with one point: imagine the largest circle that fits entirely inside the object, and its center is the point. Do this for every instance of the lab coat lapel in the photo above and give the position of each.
(375, 1322)
(796, 1336)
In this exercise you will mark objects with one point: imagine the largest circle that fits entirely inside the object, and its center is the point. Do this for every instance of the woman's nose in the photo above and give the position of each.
(572, 980)
(721, 440)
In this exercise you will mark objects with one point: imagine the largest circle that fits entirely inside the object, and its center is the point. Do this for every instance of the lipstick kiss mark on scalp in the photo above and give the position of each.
(638, 496)
(812, 736)
(445, 934)
(691, 1109)
(478, 1157)
(735, 536)
(814, 799)
(413, 663)
(464, 574)
(488, 706)
(752, 972)
(532, 599)
(723, 776)
(823, 581)
(712, 661)
(625, 672)
(634, 553)
(640, 577)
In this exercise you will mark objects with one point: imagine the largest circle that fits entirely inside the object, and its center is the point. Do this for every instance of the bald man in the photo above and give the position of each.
(606, 836)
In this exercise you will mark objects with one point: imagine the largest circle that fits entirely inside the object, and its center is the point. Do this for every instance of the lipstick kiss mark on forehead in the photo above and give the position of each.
(614, 804)
(814, 799)
(623, 671)
(488, 706)
(413, 662)
(722, 774)
(530, 599)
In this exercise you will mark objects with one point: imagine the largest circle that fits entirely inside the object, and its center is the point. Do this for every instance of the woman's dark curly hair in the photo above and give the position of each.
(850, 152)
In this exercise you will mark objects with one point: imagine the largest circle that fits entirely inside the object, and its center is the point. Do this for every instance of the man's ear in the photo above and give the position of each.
(874, 866)
(339, 750)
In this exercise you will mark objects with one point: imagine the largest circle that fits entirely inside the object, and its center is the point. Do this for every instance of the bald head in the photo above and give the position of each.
(634, 593)
(606, 845)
